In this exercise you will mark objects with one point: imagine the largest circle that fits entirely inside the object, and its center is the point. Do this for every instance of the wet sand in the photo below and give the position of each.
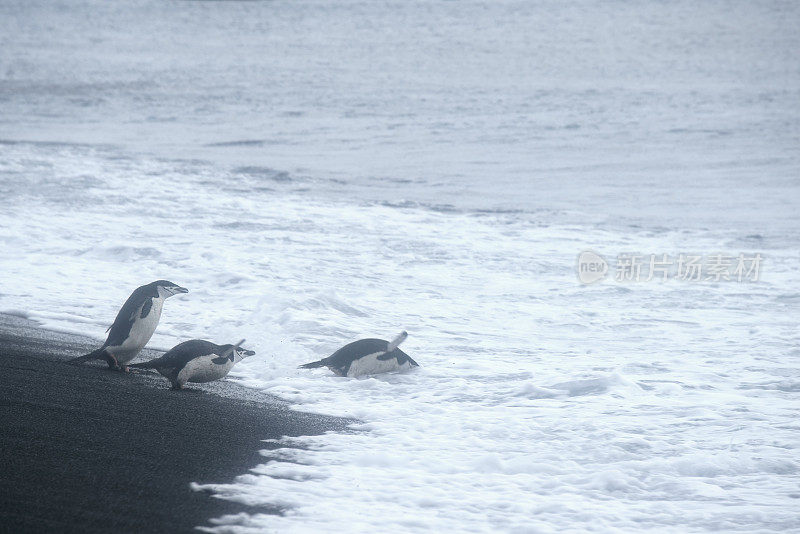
(86, 449)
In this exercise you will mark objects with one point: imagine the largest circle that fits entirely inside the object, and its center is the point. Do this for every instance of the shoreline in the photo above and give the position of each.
(92, 450)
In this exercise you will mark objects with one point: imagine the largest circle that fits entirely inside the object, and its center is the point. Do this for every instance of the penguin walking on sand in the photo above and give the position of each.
(134, 325)
(367, 357)
(196, 361)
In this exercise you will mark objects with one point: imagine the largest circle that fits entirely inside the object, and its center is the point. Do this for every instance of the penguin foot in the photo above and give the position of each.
(112, 362)
(176, 387)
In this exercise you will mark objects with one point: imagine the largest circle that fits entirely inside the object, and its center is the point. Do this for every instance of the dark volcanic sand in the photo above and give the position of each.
(85, 449)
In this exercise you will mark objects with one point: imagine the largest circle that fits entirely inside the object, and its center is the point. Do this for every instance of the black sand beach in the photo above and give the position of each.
(85, 449)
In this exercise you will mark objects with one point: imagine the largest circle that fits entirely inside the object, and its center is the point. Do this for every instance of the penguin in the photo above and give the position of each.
(134, 325)
(367, 357)
(196, 361)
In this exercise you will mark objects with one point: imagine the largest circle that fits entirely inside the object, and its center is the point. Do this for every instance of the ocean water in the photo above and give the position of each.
(318, 172)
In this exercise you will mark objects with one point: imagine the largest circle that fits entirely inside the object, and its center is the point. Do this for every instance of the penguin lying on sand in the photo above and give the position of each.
(367, 357)
(134, 325)
(196, 361)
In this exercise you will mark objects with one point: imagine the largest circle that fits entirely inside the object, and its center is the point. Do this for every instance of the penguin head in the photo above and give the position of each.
(166, 288)
(236, 353)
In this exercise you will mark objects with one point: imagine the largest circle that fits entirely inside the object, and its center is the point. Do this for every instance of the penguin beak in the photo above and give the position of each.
(179, 289)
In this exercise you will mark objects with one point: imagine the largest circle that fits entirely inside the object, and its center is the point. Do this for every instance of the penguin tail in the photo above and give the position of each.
(312, 365)
(99, 354)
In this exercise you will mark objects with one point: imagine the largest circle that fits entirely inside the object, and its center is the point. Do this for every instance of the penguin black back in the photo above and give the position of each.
(179, 355)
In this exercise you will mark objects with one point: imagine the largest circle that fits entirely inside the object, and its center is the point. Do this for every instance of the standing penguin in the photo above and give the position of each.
(134, 325)
(196, 361)
(367, 357)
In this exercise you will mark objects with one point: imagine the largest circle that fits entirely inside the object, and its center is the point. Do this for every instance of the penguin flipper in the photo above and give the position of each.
(391, 346)
(148, 304)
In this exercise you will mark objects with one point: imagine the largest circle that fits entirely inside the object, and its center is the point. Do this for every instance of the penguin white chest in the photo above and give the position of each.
(204, 369)
(143, 327)
(371, 365)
